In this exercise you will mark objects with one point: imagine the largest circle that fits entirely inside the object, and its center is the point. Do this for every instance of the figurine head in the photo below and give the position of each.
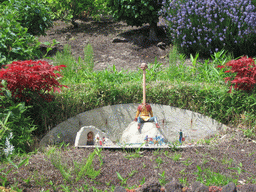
(144, 66)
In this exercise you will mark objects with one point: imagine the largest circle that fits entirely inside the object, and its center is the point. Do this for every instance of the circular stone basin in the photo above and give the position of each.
(113, 120)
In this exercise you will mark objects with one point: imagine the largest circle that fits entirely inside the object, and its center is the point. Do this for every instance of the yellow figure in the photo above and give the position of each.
(144, 111)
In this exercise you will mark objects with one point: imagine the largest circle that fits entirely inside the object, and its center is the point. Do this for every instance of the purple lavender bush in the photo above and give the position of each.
(208, 26)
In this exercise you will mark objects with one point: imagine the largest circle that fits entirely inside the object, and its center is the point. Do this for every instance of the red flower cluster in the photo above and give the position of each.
(245, 70)
(26, 77)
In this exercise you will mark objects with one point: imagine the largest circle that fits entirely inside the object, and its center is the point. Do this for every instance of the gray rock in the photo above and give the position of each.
(231, 187)
(119, 189)
(120, 40)
(161, 45)
(132, 135)
(151, 185)
(199, 187)
(173, 186)
(243, 188)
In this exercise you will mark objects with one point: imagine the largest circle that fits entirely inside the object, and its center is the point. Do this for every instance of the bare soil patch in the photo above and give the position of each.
(132, 49)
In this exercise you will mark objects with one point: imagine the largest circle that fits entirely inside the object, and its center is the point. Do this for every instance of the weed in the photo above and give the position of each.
(162, 179)
(187, 162)
(239, 168)
(3, 175)
(156, 153)
(159, 161)
(226, 161)
(132, 173)
(50, 46)
(88, 169)
(53, 186)
(176, 156)
(204, 161)
(136, 154)
(143, 181)
(183, 181)
(123, 180)
(208, 177)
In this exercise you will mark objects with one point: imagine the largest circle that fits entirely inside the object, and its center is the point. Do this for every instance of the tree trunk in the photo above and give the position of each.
(153, 32)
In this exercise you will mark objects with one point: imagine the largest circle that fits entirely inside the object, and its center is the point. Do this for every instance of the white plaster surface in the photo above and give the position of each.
(132, 135)
(113, 120)
(81, 136)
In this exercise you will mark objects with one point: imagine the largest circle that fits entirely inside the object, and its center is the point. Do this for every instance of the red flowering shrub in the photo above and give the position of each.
(245, 70)
(25, 78)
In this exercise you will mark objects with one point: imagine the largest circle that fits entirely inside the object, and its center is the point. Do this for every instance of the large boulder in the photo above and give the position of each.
(133, 135)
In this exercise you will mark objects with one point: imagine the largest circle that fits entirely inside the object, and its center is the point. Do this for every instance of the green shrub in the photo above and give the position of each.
(73, 9)
(14, 122)
(136, 12)
(33, 15)
(15, 42)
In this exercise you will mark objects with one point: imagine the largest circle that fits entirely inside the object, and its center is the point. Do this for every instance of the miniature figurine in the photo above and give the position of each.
(180, 137)
(145, 109)
(97, 139)
(103, 140)
(90, 138)
(146, 139)
(151, 140)
(156, 140)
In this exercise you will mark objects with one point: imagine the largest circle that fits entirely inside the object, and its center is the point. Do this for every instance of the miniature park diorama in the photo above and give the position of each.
(143, 115)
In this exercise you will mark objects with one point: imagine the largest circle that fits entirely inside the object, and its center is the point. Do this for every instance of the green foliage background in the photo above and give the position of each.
(135, 12)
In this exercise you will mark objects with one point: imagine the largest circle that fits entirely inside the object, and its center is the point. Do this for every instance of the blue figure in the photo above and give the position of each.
(180, 137)
(161, 140)
(146, 139)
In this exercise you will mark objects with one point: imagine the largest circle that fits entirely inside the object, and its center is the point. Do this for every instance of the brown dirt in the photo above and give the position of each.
(40, 171)
(100, 34)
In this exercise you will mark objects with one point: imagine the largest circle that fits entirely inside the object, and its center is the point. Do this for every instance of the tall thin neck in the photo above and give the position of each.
(144, 87)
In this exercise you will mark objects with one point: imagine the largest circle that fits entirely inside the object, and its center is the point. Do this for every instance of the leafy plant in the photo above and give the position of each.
(176, 156)
(88, 169)
(72, 10)
(33, 15)
(16, 127)
(187, 162)
(15, 42)
(50, 46)
(123, 180)
(159, 161)
(210, 26)
(136, 13)
(162, 179)
(3, 175)
(207, 177)
(25, 78)
(244, 70)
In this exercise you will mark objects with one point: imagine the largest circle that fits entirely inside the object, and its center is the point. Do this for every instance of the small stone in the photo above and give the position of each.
(119, 40)
(173, 186)
(231, 187)
(151, 185)
(199, 187)
(161, 45)
(119, 189)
